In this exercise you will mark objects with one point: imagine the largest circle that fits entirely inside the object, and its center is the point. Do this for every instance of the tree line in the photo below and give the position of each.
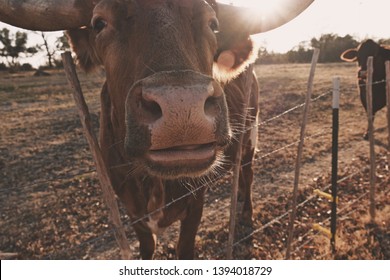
(331, 46)
(13, 47)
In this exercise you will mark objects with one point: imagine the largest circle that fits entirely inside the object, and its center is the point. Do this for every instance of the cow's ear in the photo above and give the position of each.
(82, 43)
(230, 61)
(349, 55)
(387, 47)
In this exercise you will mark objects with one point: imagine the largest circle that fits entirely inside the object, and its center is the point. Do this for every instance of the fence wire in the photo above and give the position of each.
(349, 205)
(255, 231)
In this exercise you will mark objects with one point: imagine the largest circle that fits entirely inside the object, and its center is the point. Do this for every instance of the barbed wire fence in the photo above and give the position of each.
(324, 131)
(262, 156)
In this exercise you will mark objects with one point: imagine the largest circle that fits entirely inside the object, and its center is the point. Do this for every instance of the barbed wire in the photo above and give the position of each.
(268, 224)
(350, 204)
(256, 125)
(288, 111)
(96, 239)
(300, 106)
(262, 228)
(150, 214)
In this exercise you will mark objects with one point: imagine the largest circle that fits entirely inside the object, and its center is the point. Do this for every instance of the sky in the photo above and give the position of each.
(359, 18)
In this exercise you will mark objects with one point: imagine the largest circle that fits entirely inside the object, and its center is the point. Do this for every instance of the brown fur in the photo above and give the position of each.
(162, 52)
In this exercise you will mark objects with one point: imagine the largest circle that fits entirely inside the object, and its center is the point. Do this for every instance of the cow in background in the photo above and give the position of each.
(381, 54)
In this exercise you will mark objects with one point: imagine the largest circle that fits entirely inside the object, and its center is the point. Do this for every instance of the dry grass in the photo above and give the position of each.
(51, 206)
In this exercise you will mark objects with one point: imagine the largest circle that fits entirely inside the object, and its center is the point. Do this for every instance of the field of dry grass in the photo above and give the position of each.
(51, 205)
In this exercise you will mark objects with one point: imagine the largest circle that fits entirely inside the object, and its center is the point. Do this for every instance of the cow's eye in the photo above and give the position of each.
(99, 24)
(214, 25)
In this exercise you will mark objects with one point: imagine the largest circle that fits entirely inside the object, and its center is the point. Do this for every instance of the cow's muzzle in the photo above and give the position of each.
(183, 116)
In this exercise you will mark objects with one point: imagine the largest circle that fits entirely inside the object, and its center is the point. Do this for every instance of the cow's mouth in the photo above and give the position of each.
(183, 155)
(185, 160)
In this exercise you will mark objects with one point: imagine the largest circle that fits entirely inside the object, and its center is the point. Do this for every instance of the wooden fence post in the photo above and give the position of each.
(300, 150)
(108, 192)
(388, 110)
(371, 136)
(236, 173)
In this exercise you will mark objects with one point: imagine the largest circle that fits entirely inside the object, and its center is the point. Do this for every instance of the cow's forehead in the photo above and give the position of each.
(153, 3)
(368, 48)
(181, 3)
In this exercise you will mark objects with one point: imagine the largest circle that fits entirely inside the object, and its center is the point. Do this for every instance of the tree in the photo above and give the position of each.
(61, 44)
(384, 42)
(332, 46)
(265, 57)
(49, 52)
(300, 54)
(13, 46)
(3, 67)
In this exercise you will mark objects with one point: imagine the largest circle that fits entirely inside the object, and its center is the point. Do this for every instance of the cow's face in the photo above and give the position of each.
(361, 54)
(165, 106)
(158, 57)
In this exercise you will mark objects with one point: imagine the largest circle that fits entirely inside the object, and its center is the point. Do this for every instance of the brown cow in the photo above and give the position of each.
(380, 55)
(177, 80)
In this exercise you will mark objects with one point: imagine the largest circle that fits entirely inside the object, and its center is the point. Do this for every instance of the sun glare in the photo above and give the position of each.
(265, 7)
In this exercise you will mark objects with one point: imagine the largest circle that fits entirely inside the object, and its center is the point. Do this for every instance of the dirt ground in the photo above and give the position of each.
(51, 205)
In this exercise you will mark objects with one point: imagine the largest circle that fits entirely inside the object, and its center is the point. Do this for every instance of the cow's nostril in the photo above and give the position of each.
(151, 110)
(211, 107)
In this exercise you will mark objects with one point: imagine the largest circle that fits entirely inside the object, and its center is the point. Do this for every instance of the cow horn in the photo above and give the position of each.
(242, 19)
(49, 15)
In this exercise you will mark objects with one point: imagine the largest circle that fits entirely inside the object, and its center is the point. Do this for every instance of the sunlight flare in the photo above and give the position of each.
(264, 7)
